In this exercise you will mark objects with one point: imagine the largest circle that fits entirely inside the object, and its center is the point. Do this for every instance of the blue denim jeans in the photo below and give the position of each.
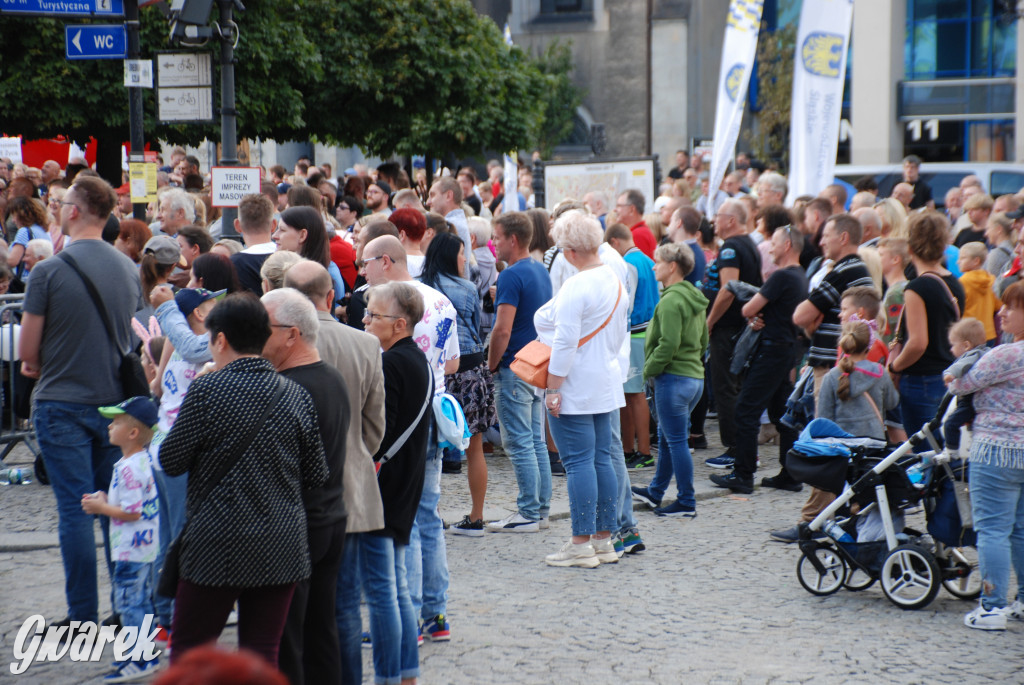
(426, 556)
(997, 503)
(625, 521)
(346, 606)
(919, 400)
(520, 413)
(171, 492)
(584, 444)
(79, 459)
(675, 397)
(380, 564)
(132, 591)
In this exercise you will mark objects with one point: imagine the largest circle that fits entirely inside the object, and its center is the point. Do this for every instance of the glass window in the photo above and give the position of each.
(566, 6)
(958, 39)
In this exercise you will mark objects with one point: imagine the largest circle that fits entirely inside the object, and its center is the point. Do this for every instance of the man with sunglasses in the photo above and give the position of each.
(738, 258)
(767, 383)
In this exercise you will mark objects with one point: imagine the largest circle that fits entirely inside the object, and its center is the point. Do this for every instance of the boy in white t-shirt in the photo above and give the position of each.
(132, 506)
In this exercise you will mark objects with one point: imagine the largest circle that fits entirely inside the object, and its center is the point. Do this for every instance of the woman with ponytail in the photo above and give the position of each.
(159, 257)
(857, 392)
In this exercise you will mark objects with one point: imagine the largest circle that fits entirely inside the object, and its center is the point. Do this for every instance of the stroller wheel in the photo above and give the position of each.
(822, 584)
(857, 580)
(910, 577)
(960, 573)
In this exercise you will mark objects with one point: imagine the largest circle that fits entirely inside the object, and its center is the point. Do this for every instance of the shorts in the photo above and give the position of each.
(635, 378)
(474, 389)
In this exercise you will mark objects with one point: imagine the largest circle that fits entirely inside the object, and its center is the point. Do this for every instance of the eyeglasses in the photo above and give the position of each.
(345, 207)
(367, 260)
(281, 325)
(374, 315)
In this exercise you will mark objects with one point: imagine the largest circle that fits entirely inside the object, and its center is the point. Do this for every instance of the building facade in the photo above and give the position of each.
(937, 78)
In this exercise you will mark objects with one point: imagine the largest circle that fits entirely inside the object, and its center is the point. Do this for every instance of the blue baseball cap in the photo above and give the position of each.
(140, 408)
(190, 298)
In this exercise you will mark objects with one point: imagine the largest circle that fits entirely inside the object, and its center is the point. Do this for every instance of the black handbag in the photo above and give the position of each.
(170, 572)
(130, 371)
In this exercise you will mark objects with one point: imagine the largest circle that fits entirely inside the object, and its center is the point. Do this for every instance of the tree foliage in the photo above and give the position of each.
(775, 51)
(409, 77)
(561, 98)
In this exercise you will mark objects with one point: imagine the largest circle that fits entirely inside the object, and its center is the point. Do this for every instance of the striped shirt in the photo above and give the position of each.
(848, 272)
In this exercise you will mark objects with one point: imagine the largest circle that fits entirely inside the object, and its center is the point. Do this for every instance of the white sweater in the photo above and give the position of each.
(593, 372)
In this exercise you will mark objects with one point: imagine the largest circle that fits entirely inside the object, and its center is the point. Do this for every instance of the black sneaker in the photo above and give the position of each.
(733, 482)
(557, 469)
(631, 459)
(781, 482)
(697, 442)
(643, 461)
(467, 527)
(644, 495)
(451, 467)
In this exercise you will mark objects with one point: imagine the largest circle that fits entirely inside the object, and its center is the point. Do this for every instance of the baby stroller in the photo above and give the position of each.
(876, 486)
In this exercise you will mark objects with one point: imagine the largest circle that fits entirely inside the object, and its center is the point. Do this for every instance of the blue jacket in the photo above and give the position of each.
(464, 297)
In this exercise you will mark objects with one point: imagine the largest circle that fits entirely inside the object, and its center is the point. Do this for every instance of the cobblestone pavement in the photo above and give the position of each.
(712, 600)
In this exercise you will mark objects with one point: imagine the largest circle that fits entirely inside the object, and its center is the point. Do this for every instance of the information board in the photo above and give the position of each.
(573, 180)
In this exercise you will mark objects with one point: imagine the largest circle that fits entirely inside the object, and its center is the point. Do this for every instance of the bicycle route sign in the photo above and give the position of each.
(185, 86)
(182, 69)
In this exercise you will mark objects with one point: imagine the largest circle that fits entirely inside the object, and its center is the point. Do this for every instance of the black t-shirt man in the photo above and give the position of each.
(922, 194)
(738, 252)
(785, 289)
(968, 235)
(325, 384)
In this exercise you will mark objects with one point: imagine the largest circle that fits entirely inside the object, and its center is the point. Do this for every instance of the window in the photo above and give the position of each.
(959, 38)
(565, 8)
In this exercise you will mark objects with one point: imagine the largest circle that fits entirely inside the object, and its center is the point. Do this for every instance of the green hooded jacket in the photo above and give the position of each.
(677, 336)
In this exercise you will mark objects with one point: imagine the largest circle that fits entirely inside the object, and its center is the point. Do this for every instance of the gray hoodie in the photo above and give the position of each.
(965, 361)
(855, 415)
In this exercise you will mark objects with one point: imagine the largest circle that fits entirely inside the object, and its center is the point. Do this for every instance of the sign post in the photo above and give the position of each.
(229, 184)
(95, 41)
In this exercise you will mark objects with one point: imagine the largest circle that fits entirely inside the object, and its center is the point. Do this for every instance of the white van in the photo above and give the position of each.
(998, 178)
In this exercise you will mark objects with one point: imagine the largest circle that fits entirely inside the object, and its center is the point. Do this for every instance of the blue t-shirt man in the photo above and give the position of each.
(646, 298)
(526, 286)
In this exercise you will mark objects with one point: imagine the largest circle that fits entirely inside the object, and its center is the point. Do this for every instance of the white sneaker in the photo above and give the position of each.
(986, 619)
(1015, 611)
(513, 523)
(544, 523)
(605, 550)
(572, 554)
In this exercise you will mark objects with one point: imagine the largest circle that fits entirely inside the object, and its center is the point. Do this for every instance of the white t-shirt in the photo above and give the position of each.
(178, 376)
(594, 372)
(414, 263)
(133, 489)
(436, 333)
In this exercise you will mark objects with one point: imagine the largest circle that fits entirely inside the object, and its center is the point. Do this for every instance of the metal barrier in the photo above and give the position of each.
(13, 429)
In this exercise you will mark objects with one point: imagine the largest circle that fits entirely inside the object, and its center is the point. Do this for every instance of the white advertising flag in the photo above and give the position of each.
(819, 70)
(738, 51)
(511, 201)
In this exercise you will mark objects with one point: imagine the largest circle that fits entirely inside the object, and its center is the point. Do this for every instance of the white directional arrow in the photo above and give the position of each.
(76, 39)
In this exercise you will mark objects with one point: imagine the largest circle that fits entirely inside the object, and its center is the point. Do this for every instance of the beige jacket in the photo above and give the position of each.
(357, 356)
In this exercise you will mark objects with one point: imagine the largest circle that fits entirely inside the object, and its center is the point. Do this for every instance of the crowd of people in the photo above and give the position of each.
(287, 455)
